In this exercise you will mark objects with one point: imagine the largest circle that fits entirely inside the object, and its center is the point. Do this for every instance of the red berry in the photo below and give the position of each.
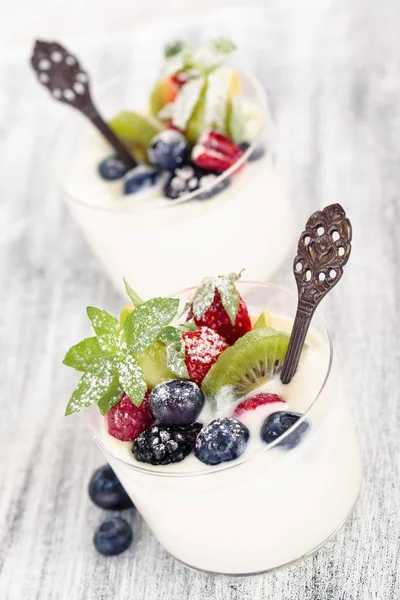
(202, 348)
(218, 319)
(180, 78)
(256, 401)
(126, 420)
(215, 152)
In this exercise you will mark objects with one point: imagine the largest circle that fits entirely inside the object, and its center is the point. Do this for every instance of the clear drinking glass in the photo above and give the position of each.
(166, 244)
(259, 513)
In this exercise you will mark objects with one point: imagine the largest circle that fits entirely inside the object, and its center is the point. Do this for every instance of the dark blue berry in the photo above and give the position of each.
(140, 178)
(278, 423)
(168, 150)
(112, 168)
(106, 491)
(257, 152)
(182, 181)
(176, 402)
(113, 537)
(211, 189)
(221, 440)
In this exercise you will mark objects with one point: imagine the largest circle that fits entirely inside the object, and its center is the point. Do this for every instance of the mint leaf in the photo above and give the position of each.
(178, 57)
(222, 46)
(136, 300)
(111, 397)
(203, 297)
(81, 355)
(131, 378)
(145, 323)
(175, 348)
(186, 101)
(214, 54)
(93, 385)
(229, 296)
(111, 343)
(187, 326)
(173, 48)
(102, 321)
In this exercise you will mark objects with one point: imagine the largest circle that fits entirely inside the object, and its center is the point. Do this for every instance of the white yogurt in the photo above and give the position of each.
(270, 506)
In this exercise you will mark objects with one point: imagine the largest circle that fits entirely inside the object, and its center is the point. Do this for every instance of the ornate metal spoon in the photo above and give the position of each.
(323, 250)
(60, 71)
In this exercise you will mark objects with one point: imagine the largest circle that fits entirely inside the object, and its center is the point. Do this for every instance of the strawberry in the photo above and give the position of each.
(202, 348)
(215, 152)
(256, 401)
(126, 420)
(225, 312)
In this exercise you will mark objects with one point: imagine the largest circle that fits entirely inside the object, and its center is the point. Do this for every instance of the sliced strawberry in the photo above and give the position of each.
(202, 348)
(218, 319)
(256, 401)
(180, 78)
(126, 420)
(215, 152)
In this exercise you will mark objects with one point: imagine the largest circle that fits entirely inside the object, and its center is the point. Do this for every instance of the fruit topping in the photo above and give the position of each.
(126, 421)
(278, 423)
(202, 348)
(106, 491)
(135, 129)
(168, 150)
(176, 402)
(113, 537)
(163, 445)
(257, 152)
(182, 181)
(153, 362)
(217, 304)
(264, 320)
(255, 402)
(215, 152)
(252, 361)
(209, 187)
(139, 179)
(222, 440)
(112, 168)
(164, 92)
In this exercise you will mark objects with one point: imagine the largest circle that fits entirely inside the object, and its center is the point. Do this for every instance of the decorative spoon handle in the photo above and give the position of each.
(323, 250)
(61, 73)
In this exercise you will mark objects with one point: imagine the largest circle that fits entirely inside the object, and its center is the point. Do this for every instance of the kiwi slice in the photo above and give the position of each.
(134, 129)
(253, 360)
(264, 320)
(153, 362)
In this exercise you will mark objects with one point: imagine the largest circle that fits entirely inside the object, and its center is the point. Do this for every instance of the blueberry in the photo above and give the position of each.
(168, 150)
(106, 491)
(140, 178)
(112, 168)
(206, 181)
(221, 440)
(278, 423)
(113, 537)
(183, 180)
(257, 152)
(176, 402)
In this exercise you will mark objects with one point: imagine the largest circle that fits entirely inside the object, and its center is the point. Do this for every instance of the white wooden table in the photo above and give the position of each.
(333, 75)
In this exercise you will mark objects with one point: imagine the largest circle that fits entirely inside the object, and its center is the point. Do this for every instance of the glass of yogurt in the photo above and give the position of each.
(164, 243)
(283, 497)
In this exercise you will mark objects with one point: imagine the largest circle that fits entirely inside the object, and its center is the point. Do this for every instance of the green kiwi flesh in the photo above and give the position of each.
(252, 361)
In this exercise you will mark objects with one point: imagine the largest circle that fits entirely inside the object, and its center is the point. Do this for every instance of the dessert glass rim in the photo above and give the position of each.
(236, 463)
(266, 121)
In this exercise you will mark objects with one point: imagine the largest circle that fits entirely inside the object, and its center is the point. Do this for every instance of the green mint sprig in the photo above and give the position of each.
(108, 360)
(225, 284)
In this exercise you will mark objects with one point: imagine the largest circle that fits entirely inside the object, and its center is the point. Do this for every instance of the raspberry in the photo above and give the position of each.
(126, 420)
(215, 152)
(218, 319)
(202, 349)
(255, 401)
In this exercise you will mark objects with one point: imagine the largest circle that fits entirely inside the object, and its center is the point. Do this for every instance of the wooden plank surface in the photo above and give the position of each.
(332, 70)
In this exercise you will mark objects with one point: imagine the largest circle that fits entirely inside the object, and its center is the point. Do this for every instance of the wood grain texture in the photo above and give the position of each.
(332, 70)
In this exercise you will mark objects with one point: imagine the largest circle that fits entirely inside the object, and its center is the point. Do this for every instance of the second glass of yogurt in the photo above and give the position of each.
(278, 502)
(240, 215)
